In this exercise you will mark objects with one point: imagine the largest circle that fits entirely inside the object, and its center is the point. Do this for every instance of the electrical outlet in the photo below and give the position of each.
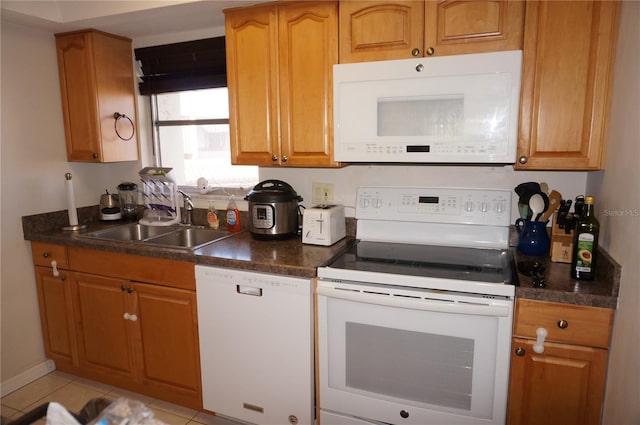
(321, 193)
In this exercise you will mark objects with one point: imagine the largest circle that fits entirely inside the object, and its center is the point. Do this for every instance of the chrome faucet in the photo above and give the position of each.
(188, 209)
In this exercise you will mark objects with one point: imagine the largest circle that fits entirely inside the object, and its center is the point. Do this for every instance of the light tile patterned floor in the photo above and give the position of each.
(73, 393)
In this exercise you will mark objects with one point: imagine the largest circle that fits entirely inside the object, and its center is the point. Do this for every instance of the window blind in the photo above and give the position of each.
(190, 65)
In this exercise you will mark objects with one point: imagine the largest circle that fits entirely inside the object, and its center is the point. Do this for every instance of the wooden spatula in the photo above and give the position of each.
(554, 203)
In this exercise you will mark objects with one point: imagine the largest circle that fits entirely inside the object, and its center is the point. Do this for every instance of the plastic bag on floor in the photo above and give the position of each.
(125, 412)
(58, 415)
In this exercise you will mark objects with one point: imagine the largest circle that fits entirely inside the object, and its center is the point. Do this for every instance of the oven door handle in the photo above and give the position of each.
(455, 307)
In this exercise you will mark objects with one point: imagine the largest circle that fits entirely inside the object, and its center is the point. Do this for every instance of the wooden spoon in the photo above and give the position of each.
(554, 203)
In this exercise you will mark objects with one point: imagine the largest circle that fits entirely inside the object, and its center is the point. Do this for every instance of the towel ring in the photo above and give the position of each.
(117, 116)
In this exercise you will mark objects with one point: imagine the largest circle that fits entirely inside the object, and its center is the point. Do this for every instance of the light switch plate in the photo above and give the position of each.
(321, 193)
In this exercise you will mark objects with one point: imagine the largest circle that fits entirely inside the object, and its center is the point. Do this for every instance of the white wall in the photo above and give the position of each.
(32, 181)
(346, 180)
(618, 209)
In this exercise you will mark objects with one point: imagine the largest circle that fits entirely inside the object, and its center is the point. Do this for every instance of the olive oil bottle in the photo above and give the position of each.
(585, 243)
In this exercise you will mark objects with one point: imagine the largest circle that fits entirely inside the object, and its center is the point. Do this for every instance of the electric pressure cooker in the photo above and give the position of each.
(273, 210)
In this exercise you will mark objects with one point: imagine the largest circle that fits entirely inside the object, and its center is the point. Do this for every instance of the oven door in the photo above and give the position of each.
(413, 356)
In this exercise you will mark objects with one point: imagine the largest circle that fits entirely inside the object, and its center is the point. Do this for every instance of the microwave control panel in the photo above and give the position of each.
(435, 205)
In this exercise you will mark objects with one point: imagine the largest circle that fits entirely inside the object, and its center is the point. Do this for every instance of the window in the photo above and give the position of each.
(186, 83)
(191, 130)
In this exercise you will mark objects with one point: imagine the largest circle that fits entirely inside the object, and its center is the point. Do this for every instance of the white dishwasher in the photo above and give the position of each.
(256, 345)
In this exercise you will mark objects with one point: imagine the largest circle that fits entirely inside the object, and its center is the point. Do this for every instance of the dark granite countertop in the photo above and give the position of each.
(291, 257)
(241, 250)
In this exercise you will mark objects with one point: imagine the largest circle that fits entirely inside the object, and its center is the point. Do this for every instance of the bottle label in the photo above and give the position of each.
(231, 218)
(584, 252)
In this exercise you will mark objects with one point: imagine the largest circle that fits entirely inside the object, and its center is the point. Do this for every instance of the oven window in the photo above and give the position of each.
(423, 367)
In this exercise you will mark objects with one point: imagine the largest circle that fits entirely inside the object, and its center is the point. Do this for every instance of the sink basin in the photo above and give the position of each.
(171, 236)
(130, 232)
(191, 238)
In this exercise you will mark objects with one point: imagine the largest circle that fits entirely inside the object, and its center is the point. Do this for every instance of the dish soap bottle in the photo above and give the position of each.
(585, 243)
(212, 216)
(233, 216)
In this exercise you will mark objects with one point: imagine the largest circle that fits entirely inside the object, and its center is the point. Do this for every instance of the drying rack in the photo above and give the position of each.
(160, 192)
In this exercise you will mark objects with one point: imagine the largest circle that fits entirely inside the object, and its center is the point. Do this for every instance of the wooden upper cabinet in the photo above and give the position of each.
(371, 31)
(280, 60)
(97, 81)
(568, 57)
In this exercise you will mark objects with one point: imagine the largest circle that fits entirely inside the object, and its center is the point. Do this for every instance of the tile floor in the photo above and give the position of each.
(73, 393)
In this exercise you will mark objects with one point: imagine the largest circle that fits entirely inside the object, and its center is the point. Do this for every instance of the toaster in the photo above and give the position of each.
(323, 225)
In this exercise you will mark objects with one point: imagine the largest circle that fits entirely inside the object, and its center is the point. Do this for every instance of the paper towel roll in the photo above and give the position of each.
(71, 200)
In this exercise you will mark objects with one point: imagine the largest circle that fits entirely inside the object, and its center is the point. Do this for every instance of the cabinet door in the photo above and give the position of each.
(252, 78)
(455, 27)
(116, 93)
(56, 315)
(79, 96)
(96, 80)
(106, 316)
(372, 31)
(308, 37)
(564, 385)
(169, 352)
(568, 57)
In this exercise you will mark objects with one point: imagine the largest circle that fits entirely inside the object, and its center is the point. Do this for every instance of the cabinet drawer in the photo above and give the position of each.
(177, 274)
(44, 253)
(568, 323)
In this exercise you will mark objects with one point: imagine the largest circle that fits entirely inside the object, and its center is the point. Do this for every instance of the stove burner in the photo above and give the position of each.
(471, 264)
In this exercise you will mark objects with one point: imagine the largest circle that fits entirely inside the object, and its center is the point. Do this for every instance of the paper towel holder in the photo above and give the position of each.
(71, 206)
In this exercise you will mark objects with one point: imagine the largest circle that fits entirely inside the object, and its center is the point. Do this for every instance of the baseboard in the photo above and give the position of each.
(26, 377)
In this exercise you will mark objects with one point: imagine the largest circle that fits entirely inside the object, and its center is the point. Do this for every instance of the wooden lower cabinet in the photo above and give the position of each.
(56, 315)
(564, 384)
(105, 337)
(140, 336)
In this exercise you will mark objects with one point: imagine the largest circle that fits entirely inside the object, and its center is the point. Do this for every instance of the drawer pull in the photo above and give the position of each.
(538, 347)
(520, 352)
(563, 324)
(54, 266)
(45, 254)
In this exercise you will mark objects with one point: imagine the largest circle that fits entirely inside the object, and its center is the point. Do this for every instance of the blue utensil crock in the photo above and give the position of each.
(533, 239)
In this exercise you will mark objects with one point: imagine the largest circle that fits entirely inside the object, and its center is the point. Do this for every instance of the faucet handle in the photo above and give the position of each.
(186, 196)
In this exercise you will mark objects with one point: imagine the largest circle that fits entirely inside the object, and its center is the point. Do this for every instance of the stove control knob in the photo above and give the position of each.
(484, 206)
(468, 206)
(364, 202)
(500, 207)
(377, 203)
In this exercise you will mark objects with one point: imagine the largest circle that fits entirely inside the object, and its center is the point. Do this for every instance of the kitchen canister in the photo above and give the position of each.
(533, 239)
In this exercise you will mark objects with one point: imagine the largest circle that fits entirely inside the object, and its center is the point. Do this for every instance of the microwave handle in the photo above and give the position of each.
(415, 304)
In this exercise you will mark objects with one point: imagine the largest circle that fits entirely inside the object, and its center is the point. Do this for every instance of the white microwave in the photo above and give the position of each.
(449, 109)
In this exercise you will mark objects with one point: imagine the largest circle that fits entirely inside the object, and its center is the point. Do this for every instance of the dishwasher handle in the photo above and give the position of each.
(456, 307)
(249, 290)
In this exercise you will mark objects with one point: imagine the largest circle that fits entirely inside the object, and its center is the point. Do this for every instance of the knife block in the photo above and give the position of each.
(561, 245)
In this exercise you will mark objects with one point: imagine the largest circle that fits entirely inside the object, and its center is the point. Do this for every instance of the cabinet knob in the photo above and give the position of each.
(131, 317)
(415, 52)
(523, 159)
(274, 158)
(95, 156)
(430, 51)
(520, 352)
(63, 277)
(45, 254)
(284, 158)
(404, 413)
(123, 287)
(563, 324)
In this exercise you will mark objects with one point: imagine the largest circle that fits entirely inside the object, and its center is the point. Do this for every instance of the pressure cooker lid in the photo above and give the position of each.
(270, 191)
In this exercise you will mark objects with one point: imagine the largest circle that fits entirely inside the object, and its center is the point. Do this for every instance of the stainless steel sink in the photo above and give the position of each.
(190, 238)
(130, 232)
